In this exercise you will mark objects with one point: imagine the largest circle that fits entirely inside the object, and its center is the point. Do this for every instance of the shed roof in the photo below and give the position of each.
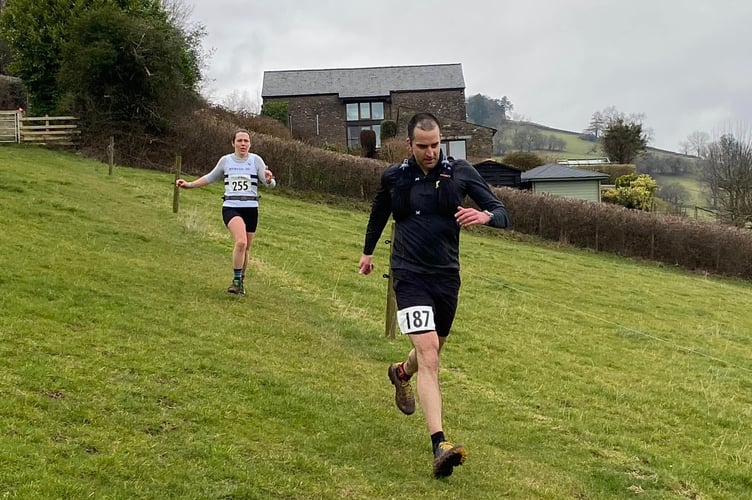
(362, 82)
(493, 163)
(556, 172)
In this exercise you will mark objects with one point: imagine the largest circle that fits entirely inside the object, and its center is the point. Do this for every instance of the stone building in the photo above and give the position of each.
(332, 106)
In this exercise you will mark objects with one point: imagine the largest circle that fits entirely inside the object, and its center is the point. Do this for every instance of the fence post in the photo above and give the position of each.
(391, 301)
(175, 188)
(111, 154)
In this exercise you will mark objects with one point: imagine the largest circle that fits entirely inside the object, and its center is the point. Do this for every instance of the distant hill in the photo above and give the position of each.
(575, 146)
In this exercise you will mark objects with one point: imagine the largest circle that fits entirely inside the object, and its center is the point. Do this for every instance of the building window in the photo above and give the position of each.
(353, 135)
(455, 149)
(363, 116)
(357, 111)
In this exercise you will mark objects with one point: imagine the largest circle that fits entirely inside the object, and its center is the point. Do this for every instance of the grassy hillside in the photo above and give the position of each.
(575, 147)
(691, 183)
(128, 372)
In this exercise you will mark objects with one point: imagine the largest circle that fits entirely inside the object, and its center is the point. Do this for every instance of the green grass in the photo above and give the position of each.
(575, 147)
(691, 183)
(128, 372)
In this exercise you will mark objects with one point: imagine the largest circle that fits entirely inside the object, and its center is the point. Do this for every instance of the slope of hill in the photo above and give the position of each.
(128, 372)
(575, 146)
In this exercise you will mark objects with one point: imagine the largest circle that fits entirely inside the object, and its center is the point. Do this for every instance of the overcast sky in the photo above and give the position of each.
(683, 63)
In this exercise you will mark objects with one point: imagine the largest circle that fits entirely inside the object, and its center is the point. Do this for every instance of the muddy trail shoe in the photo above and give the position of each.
(403, 393)
(236, 287)
(446, 458)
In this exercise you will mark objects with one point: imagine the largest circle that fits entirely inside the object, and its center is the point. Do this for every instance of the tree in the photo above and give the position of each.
(37, 32)
(623, 141)
(674, 193)
(697, 143)
(133, 71)
(241, 102)
(728, 173)
(597, 124)
(487, 111)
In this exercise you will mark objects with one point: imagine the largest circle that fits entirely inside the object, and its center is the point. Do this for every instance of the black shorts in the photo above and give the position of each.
(248, 214)
(437, 292)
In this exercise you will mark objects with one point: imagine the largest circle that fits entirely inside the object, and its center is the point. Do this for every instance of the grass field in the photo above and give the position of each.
(693, 186)
(128, 372)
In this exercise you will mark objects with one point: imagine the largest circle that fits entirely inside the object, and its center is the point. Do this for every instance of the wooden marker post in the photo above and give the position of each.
(391, 301)
(111, 154)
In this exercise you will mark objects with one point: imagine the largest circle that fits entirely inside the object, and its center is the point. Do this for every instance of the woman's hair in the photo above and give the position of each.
(238, 131)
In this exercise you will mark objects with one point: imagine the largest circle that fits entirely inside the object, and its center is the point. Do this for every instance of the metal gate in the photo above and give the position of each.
(10, 126)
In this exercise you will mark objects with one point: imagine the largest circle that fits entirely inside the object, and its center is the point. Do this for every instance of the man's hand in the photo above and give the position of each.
(365, 266)
(471, 217)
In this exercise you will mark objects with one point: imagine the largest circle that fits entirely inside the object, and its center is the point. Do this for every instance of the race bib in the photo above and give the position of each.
(239, 182)
(415, 319)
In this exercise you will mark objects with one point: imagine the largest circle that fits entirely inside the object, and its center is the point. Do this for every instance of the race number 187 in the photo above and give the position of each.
(416, 319)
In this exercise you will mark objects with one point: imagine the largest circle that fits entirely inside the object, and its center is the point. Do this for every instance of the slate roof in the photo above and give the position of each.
(556, 172)
(362, 82)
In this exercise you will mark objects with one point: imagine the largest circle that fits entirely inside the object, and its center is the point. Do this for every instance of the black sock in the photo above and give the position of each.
(436, 438)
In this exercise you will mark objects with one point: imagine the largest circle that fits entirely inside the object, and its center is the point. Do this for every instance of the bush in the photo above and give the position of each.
(276, 110)
(632, 191)
(523, 161)
(670, 239)
(394, 150)
(388, 129)
(368, 143)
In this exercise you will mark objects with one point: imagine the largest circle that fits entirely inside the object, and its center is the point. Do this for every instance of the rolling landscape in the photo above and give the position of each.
(128, 372)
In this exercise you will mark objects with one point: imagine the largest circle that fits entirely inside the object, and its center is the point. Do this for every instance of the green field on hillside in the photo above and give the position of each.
(129, 372)
(575, 146)
(694, 187)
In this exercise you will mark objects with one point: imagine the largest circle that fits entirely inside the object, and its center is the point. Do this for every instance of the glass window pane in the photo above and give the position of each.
(457, 150)
(365, 110)
(377, 129)
(352, 111)
(353, 137)
(378, 110)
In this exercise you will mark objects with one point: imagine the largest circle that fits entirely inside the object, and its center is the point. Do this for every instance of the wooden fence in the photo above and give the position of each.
(48, 130)
(58, 130)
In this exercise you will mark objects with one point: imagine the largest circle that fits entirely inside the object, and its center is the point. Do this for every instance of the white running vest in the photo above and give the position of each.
(241, 179)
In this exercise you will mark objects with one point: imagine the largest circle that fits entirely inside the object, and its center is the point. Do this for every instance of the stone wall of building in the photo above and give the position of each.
(320, 119)
(447, 103)
(317, 120)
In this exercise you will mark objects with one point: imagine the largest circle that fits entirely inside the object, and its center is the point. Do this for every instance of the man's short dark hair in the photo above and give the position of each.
(424, 121)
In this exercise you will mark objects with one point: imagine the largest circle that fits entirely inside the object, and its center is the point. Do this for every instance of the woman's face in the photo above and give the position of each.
(242, 143)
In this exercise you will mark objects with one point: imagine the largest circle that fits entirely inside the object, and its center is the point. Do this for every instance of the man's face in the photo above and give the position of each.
(425, 146)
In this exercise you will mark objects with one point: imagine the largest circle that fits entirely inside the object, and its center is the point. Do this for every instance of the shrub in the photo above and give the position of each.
(388, 129)
(394, 150)
(523, 161)
(276, 110)
(368, 143)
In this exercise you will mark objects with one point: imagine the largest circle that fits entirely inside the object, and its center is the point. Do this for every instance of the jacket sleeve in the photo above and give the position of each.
(477, 188)
(381, 209)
